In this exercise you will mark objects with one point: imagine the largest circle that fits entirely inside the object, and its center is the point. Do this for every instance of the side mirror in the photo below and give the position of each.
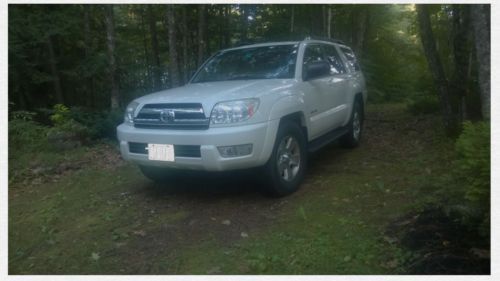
(315, 70)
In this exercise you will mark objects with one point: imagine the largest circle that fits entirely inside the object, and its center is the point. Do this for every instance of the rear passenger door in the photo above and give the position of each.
(355, 78)
(338, 85)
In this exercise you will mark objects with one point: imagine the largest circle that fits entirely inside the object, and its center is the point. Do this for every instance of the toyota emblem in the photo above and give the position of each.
(167, 116)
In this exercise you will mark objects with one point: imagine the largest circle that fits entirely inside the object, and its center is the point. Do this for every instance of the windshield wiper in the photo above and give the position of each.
(244, 77)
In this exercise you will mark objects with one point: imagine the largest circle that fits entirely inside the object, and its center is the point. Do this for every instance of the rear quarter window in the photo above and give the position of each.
(336, 64)
(351, 58)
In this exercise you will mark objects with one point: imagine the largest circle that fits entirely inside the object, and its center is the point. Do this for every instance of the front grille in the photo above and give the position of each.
(175, 116)
(179, 150)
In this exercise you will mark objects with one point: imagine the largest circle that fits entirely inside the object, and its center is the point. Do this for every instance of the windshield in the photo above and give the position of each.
(269, 62)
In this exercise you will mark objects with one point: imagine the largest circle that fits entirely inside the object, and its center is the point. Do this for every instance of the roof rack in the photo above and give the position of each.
(338, 41)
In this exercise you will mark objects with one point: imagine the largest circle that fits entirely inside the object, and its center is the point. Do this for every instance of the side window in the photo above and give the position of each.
(313, 53)
(333, 57)
(351, 58)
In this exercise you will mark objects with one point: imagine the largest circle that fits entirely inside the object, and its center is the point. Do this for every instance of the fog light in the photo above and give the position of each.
(235, 150)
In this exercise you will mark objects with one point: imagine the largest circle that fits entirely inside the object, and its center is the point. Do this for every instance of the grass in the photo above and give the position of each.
(104, 217)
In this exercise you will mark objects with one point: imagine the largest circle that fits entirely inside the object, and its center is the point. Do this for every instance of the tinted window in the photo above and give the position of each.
(351, 58)
(333, 57)
(313, 53)
(268, 62)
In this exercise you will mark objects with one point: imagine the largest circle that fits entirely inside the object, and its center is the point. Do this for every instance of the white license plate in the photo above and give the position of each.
(161, 152)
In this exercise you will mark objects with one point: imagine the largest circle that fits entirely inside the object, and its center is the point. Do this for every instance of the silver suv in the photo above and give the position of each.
(263, 105)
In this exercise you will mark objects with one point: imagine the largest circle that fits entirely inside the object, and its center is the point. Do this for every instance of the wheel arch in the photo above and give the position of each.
(299, 118)
(359, 97)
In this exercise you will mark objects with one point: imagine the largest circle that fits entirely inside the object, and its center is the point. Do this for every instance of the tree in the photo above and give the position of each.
(244, 23)
(55, 73)
(110, 31)
(89, 81)
(436, 67)
(227, 25)
(172, 48)
(185, 46)
(156, 53)
(202, 22)
(481, 27)
(329, 22)
(361, 17)
(461, 58)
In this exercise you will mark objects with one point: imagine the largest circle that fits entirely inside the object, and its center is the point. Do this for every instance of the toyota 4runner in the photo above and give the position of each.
(262, 105)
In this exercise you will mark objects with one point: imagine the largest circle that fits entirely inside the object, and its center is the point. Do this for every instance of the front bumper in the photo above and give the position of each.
(260, 135)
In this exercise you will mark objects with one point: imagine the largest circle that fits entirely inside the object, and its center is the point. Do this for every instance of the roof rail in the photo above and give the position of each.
(338, 41)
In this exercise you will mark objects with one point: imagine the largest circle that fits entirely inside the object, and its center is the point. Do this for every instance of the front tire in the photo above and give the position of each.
(286, 166)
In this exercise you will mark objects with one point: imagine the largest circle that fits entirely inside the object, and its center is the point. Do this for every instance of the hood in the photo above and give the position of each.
(208, 94)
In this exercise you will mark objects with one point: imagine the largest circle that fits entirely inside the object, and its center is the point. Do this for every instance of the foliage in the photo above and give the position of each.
(24, 133)
(473, 165)
(61, 115)
(101, 124)
(66, 132)
(393, 62)
(423, 104)
(22, 115)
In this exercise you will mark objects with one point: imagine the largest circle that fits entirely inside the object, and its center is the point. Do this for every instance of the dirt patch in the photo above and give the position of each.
(440, 243)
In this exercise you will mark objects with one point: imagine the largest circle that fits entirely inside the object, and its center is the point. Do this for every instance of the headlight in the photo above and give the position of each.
(129, 113)
(233, 111)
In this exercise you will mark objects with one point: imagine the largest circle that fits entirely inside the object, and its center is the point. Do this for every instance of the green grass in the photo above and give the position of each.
(106, 218)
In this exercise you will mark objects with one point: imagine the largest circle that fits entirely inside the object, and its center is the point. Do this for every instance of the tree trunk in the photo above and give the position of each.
(227, 28)
(205, 32)
(244, 21)
(172, 50)
(110, 30)
(89, 80)
(461, 55)
(360, 21)
(292, 19)
(329, 23)
(185, 47)
(220, 25)
(147, 86)
(324, 18)
(201, 33)
(311, 20)
(55, 72)
(156, 53)
(435, 66)
(480, 23)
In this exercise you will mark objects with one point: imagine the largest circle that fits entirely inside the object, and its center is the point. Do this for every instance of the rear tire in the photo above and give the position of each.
(352, 138)
(285, 168)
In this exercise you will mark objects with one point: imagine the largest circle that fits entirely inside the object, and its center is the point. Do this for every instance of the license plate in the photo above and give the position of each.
(161, 152)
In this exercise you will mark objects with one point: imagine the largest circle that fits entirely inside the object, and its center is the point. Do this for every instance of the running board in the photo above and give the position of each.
(327, 138)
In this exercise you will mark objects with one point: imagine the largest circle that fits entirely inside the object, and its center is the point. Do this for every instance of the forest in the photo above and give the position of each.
(73, 68)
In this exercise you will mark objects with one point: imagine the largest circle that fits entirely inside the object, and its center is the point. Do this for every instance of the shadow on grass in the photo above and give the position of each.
(197, 184)
(237, 183)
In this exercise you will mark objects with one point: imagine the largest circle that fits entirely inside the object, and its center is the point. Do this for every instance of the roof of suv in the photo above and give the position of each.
(283, 43)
